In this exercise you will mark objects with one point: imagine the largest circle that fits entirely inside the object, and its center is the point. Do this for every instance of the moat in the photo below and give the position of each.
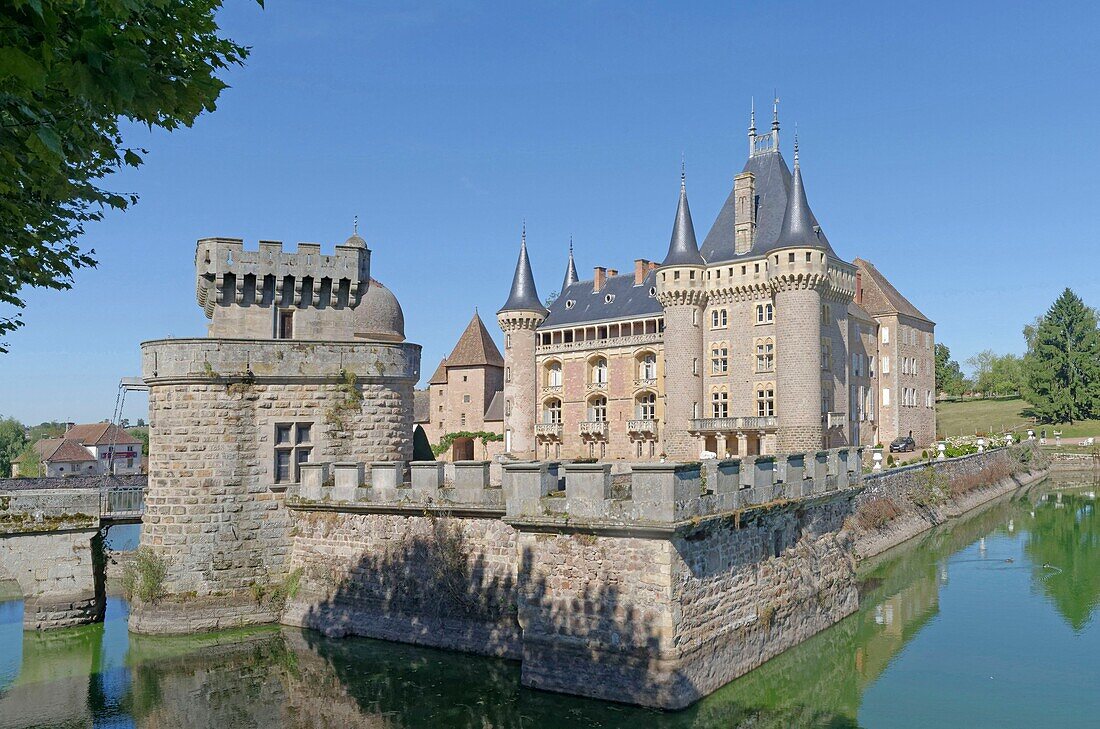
(987, 621)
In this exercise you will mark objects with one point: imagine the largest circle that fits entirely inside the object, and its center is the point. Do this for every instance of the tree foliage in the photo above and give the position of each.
(1062, 366)
(31, 464)
(12, 442)
(996, 374)
(949, 376)
(69, 72)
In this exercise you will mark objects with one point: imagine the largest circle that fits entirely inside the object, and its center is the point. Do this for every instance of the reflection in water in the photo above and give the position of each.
(949, 633)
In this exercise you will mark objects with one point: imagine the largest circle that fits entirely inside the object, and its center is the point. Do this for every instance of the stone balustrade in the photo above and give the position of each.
(585, 491)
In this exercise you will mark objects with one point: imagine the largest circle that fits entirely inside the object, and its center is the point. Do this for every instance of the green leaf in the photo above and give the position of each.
(17, 64)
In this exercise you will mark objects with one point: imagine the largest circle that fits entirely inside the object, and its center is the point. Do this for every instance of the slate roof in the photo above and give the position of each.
(571, 276)
(422, 408)
(439, 377)
(855, 311)
(100, 434)
(773, 180)
(495, 411)
(892, 302)
(683, 250)
(800, 227)
(628, 302)
(523, 296)
(474, 348)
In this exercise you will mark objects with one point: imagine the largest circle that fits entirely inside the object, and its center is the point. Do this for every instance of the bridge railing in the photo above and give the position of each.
(122, 502)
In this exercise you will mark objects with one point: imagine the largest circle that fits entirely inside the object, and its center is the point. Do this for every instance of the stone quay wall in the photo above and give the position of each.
(214, 507)
(39, 483)
(912, 499)
(620, 588)
(51, 546)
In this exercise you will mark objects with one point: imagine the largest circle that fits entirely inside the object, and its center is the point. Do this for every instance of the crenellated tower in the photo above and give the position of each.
(518, 319)
(681, 291)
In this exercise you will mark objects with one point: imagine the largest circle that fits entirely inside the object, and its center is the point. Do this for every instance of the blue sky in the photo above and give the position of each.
(953, 144)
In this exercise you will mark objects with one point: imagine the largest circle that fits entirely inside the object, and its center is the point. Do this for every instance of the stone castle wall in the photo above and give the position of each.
(798, 363)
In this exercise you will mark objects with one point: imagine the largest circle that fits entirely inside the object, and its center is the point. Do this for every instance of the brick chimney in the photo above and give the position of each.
(599, 278)
(642, 267)
(612, 272)
(744, 192)
(859, 288)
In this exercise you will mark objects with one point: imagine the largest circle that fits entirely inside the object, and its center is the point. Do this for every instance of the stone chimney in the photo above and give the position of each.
(612, 272)
(859, 288)
(69, 426)
(744, 191)
(642, 267)
(599, 278)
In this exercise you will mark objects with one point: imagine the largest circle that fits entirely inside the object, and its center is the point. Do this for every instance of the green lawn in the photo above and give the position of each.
(968, 417)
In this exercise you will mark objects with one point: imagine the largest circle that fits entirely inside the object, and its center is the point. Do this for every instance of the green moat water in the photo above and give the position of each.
(988, 621)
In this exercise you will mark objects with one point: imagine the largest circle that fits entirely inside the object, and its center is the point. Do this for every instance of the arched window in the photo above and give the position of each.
(599, 371)
(597, 409)
(551, 411)
(553, 374)
(645, 406)
(765, 355)
(765, 399)
(719, 404)
(647, 366)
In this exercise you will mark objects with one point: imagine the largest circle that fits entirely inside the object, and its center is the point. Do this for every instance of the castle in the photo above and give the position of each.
(761, 341)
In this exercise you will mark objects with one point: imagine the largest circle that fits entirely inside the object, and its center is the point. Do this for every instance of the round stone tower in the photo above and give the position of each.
(519, 318)
(681, 291)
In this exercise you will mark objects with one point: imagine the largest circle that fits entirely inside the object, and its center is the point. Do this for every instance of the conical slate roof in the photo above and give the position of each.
(523, 296)
(800, 227)
(571, 276)
(683, 250)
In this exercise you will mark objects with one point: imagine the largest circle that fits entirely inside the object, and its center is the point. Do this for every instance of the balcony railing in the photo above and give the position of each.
(645, 382)
(597, 385)
(765, 422)
(548, 430)
(642, 426)
(835, 420)
(551, 390)
(594, 428)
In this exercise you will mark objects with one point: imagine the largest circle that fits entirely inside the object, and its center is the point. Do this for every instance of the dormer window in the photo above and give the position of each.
(609, 298)
(570, 303)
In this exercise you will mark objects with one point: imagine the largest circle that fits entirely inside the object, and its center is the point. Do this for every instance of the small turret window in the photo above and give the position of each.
(653, 291)
(609, 298)
(569, 304)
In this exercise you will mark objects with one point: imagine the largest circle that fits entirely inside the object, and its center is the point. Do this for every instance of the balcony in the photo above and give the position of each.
(597, 385)
(548, 430)
(722, 425)
(642, 427)
(551, 390)
(594, 429)
(835, 420)
(645, 382)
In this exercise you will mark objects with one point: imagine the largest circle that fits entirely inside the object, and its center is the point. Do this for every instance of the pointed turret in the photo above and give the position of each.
(571, 276)
(523, 296)
(800, 227)
(683, 250)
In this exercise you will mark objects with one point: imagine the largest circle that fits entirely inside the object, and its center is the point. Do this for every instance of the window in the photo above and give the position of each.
(293, 446)
(764, 313)
(826, 353)
(719, 359)
(599, 371)
(790, 257)
(695, 410)
(695, 365)
(928, 402)
(826, 313)
(553, 374)
(286, 325)
(885, 365)
(886, 335)
(507, 375)
(552, 412)
(465, 398)
(871, 366)
(765, 355)
(597, 409)
(719, 404)
(462, 420)
(507, 341)
(719, 319)
(765, 400)
(886, 397)
(646, 406)
(695, 317)
(648, 367)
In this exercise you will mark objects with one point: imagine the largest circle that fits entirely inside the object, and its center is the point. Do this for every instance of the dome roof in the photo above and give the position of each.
(379, 316)
(355, 241)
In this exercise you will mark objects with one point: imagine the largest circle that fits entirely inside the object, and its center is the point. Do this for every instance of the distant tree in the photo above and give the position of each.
(69, 71)
(949, 376)
(31, 465)
(141, 434)
(1062, 367)
(50, 429)
(13, 439)
(422, 447)
(996, 374)
(550, 299)
(141, 422)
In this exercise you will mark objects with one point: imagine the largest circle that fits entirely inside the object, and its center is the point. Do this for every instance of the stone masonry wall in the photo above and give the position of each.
(432, 580)
(798, 365)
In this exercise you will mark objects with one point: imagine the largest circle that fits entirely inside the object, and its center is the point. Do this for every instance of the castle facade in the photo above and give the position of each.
(762, 340)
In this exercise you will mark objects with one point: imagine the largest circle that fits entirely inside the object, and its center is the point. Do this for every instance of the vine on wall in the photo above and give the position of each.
(485, 438)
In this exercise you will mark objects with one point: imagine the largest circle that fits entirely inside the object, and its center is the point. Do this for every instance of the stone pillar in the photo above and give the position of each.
(427, 477)
(314, 481)
(665, 491)
(587, 489)
(471, 480)
(524, 486)
(728, 486)
(798, 366)
(347, 477)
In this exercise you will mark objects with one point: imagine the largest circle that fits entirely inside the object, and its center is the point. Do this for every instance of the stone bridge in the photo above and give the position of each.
(51, 542)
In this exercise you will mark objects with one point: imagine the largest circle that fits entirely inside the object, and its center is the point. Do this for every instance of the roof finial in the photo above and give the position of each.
(683, 172)
(775, 111)
(523, 235)
(796, 144)
(570, 245)
(355, 225)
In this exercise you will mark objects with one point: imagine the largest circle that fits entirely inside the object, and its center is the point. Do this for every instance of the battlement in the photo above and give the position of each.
(226, 274)
(554, 493)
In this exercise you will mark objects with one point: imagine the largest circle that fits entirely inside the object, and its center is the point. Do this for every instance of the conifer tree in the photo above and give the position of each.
(1063, 363)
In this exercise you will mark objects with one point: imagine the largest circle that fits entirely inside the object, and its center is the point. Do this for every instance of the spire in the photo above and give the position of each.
(683, 250)
(355, 240)
(523, 296)
(571, 276)
(752, 125)
(800, 227)
(775, 112)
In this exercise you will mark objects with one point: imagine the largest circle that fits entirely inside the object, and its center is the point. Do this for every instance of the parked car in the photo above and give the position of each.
(903, 444)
